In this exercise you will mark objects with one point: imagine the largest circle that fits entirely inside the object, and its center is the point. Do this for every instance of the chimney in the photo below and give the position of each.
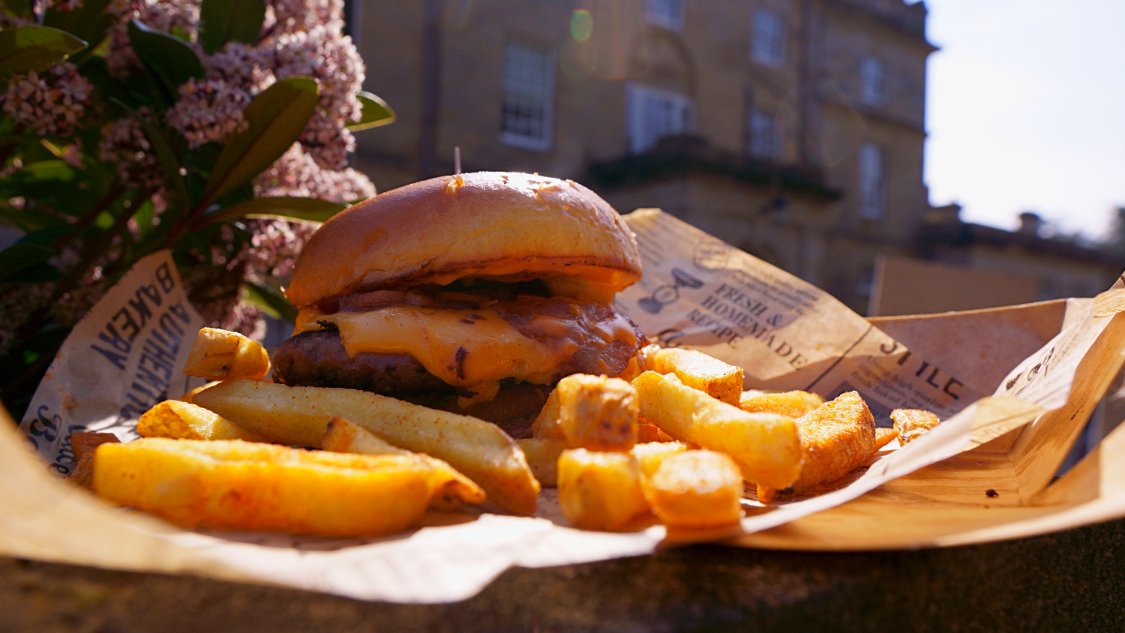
(1030, 224)
(947, 214)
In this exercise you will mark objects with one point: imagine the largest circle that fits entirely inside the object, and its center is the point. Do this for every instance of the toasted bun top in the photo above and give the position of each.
(508, 226)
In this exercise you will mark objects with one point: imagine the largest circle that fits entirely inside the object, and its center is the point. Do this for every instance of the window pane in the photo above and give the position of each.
(768, 38)
(872, 81)
(525, 114)
(654, 114)
(872, 182)
(764, 135)
(666, 13)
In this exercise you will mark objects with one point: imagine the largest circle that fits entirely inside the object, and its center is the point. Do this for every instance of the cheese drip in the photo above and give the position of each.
(435, 338)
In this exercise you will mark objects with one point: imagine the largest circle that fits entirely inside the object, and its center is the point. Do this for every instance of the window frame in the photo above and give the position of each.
(772, 148)
(668, 14)
(872, 181)
(636, 96)
(872, 81)
(768, 37)
(548, 95)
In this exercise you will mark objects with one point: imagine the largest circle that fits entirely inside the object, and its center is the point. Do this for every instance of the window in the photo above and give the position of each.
(872, 182)
(666, 13)
(529, 94)
(653, 114)
(767, 43)
(872, 81)
(763, 135)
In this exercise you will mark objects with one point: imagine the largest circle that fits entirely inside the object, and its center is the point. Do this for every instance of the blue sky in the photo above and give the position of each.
(1026, 110)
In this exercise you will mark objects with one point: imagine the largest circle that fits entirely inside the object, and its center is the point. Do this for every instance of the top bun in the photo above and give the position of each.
(501, 225)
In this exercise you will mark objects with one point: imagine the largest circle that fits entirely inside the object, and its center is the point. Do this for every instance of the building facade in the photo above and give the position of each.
(793, 129)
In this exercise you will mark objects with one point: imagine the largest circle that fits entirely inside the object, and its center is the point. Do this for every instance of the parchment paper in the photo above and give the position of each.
(696, 291)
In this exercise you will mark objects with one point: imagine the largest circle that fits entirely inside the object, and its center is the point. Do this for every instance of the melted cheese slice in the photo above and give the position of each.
(435, 337)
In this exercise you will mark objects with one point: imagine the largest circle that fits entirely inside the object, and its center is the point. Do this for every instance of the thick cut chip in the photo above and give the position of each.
(233, 484)
(791, 403)
(649, 456)
(836, 438)
(84, 444)
(884, 436)
(180, 420)
(588, 411)
(542, 455)
(696, 489)
(546, 424)
(765, 445)
(600, 490)
(696, 369)
(299, 416)
(450, 490)
(225, 355)
(912, 424)
(648, 432)
(597, 412)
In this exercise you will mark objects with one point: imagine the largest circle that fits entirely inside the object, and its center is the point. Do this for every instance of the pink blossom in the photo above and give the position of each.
(294, 16)
(209, 110)
(125, 145)
(296, 173)
(180, 17)
(50, 102)
(330, 57)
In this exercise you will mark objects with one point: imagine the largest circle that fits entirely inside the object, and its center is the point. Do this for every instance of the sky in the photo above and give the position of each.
(1026, 111)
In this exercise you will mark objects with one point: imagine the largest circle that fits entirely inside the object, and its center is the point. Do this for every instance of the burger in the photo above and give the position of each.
(475, 293)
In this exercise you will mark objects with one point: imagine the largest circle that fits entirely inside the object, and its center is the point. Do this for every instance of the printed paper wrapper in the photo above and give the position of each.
(1014, 387)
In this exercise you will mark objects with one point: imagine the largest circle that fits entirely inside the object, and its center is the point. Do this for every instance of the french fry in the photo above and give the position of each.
(836, 438)
(251, 486)
(546, 424)
(649, 456)
(600, 490)
(84, 444)
(542, 454)
(299, 416)
(597, 412)
(791, 403)
(698, 370)
(765, 445)
(449, 489)
(223, 355)
(189, 395)
(588, 411)
(884, 436)
(180, 420)
(912, 424)
(648, 432)
(696, 489)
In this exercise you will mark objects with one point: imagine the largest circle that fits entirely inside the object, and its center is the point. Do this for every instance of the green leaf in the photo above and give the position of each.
(48, 170)
(270, 300)
(223, 21)
(27, 48)
(171, 59)
(308, 209)
(88, 21)
(375, 113)
(275, 120)
(21, 256)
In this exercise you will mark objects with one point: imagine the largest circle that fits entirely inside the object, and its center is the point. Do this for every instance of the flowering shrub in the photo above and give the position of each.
(215, 128)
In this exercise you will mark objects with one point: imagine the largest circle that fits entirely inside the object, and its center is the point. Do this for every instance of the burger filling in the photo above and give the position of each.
(471, 337)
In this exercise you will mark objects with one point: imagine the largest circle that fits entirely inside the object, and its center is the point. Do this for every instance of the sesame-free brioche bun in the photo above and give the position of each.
(506, 226)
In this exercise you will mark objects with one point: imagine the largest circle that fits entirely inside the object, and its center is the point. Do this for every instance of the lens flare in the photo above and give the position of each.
(581, 25)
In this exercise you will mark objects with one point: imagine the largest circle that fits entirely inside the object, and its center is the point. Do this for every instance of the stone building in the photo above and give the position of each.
(793, 129)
